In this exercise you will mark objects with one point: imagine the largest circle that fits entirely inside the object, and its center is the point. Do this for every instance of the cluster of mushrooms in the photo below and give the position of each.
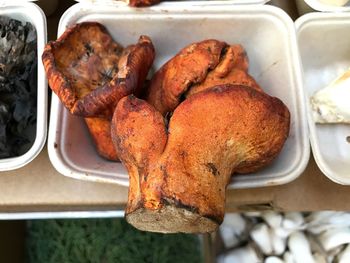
(181, 135)
(291, 237)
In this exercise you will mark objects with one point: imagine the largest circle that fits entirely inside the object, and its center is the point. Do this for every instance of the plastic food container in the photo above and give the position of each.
(29, 12)
(267, 33)
(324, 49)
(325, 7)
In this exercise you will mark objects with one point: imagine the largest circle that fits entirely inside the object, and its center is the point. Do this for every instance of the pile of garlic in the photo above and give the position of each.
(292, 237)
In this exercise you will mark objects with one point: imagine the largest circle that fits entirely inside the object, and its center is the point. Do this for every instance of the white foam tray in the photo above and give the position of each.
(32, 13)
(181, 2)
(267, 33)
(319, 6)
(325, 52)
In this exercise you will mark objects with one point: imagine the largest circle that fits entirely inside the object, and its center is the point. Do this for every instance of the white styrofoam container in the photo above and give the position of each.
(267, 33)
(322, 6)
(29, 12)
(181, 2)
(324, 45)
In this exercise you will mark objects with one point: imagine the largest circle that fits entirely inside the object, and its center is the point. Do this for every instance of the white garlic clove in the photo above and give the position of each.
(333, 253)
(242, 255)
(333, 238)
(228, 236)
(235, 221)
(296, 217)
(293, 220)
(344, 256)
(318, 229)
(316, 247)
(340, 218)
(319, 258)
(300, 248)
(288, 257)
(319, 222)
(273, 259)
(321, 216)
(278, 243)
(283, 232)
(272, 218)
(261, 236)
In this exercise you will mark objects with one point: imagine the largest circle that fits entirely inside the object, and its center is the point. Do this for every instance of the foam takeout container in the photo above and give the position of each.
(325, 53)
(323, 6)
(266, 32)
(30, 12)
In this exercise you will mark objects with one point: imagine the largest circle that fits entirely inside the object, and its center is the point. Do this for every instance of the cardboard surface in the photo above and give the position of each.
(312, 191)
(38, 187)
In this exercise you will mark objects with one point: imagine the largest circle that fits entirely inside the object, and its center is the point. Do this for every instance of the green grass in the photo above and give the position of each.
(105, 241)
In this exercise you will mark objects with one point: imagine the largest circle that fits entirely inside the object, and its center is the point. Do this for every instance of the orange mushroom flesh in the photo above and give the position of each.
(178, 174)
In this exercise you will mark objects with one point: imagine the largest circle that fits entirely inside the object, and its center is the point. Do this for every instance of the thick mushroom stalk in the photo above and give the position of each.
(90, 73)
(178, 174)
(100, 131)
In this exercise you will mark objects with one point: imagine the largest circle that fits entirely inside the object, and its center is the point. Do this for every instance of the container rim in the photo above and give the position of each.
(319, 6)
(305, 19)
(37, 14)
(72, 14)
(300, 24)
(168, 3)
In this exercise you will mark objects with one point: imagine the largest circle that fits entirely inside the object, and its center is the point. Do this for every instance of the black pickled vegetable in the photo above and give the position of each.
(105, 241)
(18, 85)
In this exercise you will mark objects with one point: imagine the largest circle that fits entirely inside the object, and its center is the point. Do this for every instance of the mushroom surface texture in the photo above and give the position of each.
(90, 73)
(179, 170)
(197, 67)
(100, 131)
